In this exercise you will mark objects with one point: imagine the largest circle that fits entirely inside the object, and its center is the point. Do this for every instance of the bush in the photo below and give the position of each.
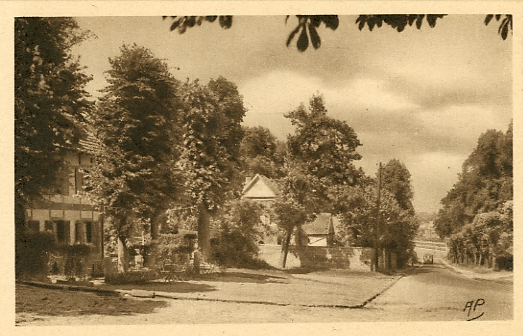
(233, 249)
(236, 244)
(76, 258)
(170, 245)
(487, 241)
(131, 277)
(32, 254)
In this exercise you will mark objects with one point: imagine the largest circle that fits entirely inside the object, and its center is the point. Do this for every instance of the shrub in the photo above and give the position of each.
(131, 277)
(236, 244)
(76, 258)
(170, 245)
(32, 254)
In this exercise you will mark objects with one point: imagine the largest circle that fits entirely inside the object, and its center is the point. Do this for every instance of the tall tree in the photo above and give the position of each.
(290, 214)
(211, 142)
(136, 121)
(484, 185)
(395, 178)
(320, 157)
(49, 101)
(323, 148)
(260, 152)
(358, 207)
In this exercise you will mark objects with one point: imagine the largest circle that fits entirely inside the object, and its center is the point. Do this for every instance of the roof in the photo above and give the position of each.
(89, 143)
(320, 226)
(260, 187)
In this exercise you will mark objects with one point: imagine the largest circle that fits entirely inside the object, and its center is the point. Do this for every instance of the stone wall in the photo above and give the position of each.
(318, 257)
(332, 257)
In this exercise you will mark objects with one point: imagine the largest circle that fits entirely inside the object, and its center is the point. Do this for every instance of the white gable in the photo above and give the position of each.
(259, 190)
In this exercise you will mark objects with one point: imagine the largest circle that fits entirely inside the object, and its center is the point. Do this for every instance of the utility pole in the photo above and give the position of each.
(377, 228)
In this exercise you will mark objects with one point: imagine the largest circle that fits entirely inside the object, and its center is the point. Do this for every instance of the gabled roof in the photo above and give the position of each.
(89, 144)
(322, 225)
(260, 187)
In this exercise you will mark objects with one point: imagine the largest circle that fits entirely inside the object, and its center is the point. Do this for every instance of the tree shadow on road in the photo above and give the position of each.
(305, 270)
(242, 277)
(43, 301)
(172, 287)
(421, 269)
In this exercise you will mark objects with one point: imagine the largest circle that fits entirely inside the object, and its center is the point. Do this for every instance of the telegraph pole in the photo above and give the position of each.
(377, 228)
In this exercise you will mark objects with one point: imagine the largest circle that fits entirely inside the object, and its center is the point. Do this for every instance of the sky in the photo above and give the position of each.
(420, 96)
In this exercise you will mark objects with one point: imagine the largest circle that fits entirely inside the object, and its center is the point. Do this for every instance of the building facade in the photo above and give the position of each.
(67, 213)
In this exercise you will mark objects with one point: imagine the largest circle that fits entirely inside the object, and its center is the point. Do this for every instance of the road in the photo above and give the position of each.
(428, 293)
(434, 293)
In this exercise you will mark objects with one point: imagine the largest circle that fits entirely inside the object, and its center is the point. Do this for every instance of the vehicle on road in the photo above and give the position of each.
(428, 259)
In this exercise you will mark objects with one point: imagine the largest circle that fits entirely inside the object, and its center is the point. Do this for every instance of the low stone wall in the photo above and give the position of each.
(272, 254)
(318, 256)
(332, 257)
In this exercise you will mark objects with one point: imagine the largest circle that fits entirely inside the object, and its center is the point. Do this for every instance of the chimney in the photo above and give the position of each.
(248, 177)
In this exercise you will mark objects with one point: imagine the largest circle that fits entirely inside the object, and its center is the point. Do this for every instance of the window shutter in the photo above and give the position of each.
(79, 180)
(67, 231)
(95, 235)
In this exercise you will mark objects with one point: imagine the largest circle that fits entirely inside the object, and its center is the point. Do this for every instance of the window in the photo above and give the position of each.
(49, 226)
(62, 231)
(78, 232)
(88, 232)
(78, 180)
(83, 232)
(33, 225)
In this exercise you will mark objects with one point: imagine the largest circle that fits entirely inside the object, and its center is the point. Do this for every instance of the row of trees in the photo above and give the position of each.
(476, 216)
(388, 223)
(320, 176)
(162, 143)
(487, 241)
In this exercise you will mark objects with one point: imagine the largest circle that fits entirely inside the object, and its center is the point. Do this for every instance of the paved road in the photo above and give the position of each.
(430, 293)
(434, 293)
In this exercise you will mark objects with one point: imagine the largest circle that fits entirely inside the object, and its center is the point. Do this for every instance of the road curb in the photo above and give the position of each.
(268, 303)
(69, 287)
(172, 296)
(475, 276)
(381, 292)
(168, 295)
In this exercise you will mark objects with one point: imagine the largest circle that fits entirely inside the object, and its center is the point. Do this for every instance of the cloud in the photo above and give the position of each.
(422, 96)
(463, 123)
(369, 94)
(433, 175)
(281, 91)
(278, 91)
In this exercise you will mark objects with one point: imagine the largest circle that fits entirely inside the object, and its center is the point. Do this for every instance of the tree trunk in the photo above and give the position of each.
(122, 255)
(204, 232)
(285, 247)
(20, 220)
(376, 261)
(495, 266)
(155, 235)
(20, 214)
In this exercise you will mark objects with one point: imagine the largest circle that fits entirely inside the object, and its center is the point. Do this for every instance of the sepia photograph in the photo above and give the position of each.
(336, 167)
